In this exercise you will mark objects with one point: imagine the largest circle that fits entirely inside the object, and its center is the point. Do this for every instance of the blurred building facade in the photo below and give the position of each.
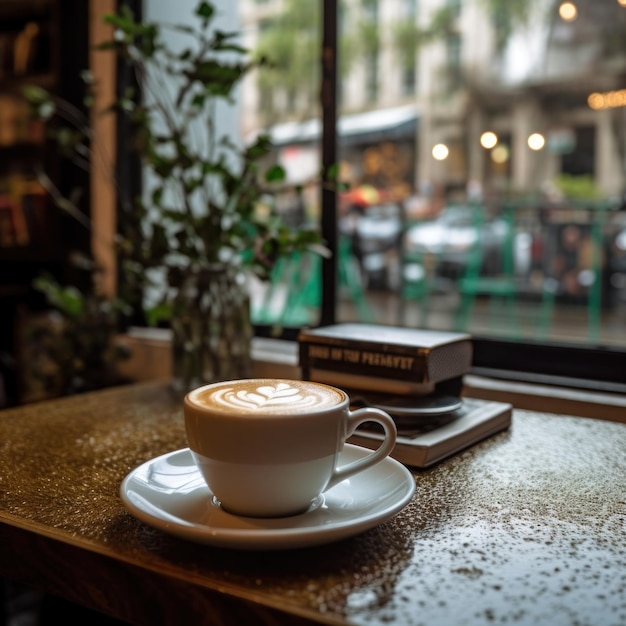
(443, 72)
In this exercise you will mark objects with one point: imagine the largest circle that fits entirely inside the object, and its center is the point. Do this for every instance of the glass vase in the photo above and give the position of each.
(212, 329)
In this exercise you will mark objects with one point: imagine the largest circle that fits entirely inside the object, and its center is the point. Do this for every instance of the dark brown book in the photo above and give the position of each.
(428, 441)
(392, 359)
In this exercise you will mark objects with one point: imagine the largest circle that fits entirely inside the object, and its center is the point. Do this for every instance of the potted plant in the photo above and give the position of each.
(205, 218)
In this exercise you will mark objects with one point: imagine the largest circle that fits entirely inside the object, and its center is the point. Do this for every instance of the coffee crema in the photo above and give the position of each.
(268, 396)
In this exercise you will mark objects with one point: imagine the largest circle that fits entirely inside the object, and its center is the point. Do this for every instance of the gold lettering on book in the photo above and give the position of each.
(374, 359)
(352, 356)
(395, 361)
(319, 352)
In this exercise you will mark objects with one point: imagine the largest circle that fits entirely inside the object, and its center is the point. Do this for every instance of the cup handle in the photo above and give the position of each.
(355, 418)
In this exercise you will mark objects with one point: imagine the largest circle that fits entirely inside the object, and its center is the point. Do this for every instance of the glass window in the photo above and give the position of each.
(488, 197)
(282, 98)
(409, 82)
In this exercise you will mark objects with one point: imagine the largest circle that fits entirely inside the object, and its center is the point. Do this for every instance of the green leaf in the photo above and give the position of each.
(160, 243)
(157, 196)
(332, 173)
(205, 10)
(68, 300)
(198, 100)
(275, 174)
(258, 149)
(35, 95)
(159, 313)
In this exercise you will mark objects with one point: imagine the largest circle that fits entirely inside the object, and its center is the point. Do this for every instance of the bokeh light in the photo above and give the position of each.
(536, 141)
(608, 99)
(440, 151)
(568, 11)
(488, 140)
(500, 154)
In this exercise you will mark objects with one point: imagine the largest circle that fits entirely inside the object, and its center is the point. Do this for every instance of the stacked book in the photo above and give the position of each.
(415, 375)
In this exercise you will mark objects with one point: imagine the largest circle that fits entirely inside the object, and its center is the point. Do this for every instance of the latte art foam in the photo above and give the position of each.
(266, 396)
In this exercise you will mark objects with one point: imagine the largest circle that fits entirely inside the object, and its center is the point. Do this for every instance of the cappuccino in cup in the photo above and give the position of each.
(263, 397)
(269, 447)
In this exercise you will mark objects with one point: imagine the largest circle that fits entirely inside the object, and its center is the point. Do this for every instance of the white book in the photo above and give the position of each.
(423, 442)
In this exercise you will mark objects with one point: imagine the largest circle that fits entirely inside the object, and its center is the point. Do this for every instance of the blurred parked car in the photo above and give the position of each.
(453, 236)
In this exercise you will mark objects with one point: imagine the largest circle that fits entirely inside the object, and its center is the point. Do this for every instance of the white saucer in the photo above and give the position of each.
(169, 493)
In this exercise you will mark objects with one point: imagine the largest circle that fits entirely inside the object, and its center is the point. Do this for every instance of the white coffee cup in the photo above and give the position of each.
(270, 447)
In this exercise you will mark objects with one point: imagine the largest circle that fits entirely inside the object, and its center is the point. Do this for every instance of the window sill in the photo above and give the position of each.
(151, 359)
(276, 358)
(548, 398)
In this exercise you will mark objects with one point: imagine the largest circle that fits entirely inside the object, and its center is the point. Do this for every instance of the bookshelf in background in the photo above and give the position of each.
(28, 55)
(33, 236)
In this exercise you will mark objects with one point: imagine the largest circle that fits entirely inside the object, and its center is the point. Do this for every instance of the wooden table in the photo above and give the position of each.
(528, 527)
